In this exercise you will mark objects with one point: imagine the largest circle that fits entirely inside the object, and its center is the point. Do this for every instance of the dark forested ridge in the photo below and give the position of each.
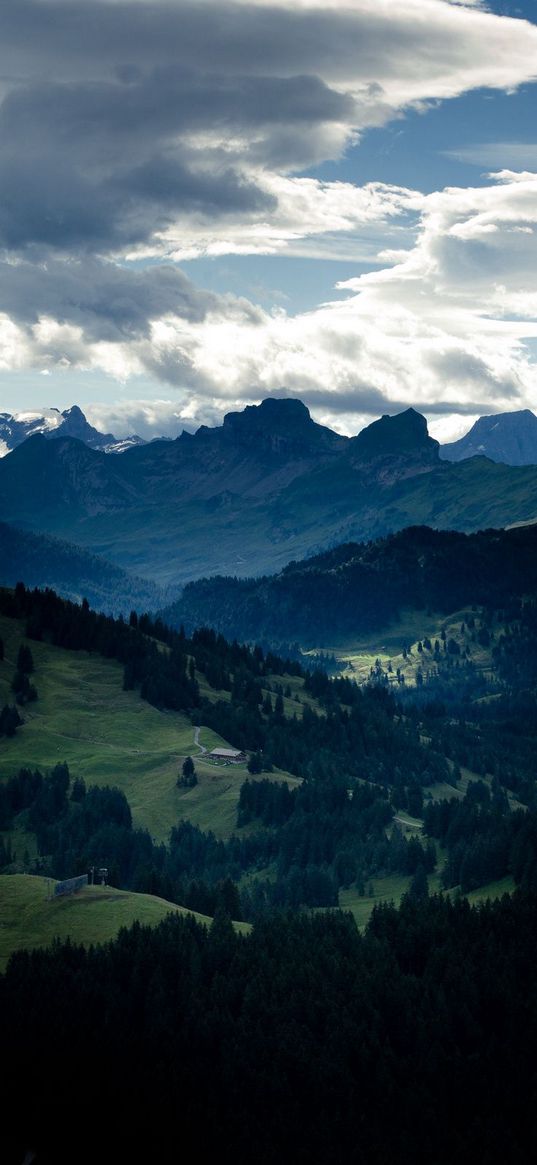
(363, 587)
(303, 1043)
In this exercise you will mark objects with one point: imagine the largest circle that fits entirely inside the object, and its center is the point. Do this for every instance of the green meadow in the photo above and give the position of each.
(111, 737)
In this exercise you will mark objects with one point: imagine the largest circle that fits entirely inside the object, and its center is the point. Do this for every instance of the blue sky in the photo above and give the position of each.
(295, 198)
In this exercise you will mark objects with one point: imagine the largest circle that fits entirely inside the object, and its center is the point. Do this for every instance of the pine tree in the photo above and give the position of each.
(25, 663)
(188, 777)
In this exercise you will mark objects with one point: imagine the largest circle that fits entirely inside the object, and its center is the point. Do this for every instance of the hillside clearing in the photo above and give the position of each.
(93, 915)
(111, 737)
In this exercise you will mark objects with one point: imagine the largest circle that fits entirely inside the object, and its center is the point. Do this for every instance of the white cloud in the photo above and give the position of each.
(189, 136)
(443, 328)
(493, 155)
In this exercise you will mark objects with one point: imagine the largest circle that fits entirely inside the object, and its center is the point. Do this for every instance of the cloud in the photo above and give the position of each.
(106, 301)
(148, 418)
(495, 155)
(125, 124)
(443, 327)
(135, 134)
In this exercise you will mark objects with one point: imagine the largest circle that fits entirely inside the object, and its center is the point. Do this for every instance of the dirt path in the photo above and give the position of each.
(197, 741)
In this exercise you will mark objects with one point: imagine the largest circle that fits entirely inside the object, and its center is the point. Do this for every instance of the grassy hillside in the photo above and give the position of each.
(112, 737)
(29, 919)
(392, 888)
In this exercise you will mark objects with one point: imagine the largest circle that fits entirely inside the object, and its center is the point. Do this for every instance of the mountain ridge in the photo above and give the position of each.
(268, 486)
(45, 561)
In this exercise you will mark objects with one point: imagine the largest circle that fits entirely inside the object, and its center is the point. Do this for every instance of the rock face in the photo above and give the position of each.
(245, 498)
(507, 437)
(69, 423)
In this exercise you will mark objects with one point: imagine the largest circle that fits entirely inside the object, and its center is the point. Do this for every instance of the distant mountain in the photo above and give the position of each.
(360, 588)
(268, 486)
(70, 423)
(39, 560)
(507, 437)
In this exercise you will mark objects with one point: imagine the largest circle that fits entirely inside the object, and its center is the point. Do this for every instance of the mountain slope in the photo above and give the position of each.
(266, 487)
(41, 560)
(507, 437)
(362, 588)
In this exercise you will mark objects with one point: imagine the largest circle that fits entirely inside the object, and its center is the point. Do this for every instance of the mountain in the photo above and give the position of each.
(360, 588)
(268, 486)
(75, 574)
(507, 437)
(69, 423)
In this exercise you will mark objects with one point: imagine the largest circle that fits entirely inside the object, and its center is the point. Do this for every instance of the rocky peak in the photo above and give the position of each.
(508, 437)
(280, 425)
(404, 435)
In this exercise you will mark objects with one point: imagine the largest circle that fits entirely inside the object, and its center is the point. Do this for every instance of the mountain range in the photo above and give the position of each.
(507, 437)
(268, 486)
(14, 429)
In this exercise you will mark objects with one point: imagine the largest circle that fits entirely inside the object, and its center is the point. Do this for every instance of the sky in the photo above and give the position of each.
(204, 203)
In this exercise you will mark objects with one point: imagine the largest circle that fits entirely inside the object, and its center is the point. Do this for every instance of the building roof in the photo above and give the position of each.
(229, 753)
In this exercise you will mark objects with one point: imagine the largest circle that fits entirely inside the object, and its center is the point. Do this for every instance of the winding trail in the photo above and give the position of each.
(197, 741)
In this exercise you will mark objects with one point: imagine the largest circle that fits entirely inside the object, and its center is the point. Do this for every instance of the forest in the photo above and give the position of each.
(303, 1042)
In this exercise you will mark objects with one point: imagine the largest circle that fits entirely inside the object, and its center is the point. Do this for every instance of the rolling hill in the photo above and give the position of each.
(109, 736)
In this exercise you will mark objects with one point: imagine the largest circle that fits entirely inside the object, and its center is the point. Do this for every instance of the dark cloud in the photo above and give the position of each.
(105, 165)
(365, 400)
(121, 116)
(78, 38)
(107, 301)
(74, 35)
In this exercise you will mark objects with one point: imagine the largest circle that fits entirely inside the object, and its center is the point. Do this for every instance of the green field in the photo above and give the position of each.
(112, 737)
(93, 915)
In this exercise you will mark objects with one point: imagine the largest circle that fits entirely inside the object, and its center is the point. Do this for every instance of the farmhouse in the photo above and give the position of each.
(230, 756)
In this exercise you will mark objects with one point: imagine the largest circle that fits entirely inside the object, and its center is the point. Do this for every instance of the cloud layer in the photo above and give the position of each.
(135, 134)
